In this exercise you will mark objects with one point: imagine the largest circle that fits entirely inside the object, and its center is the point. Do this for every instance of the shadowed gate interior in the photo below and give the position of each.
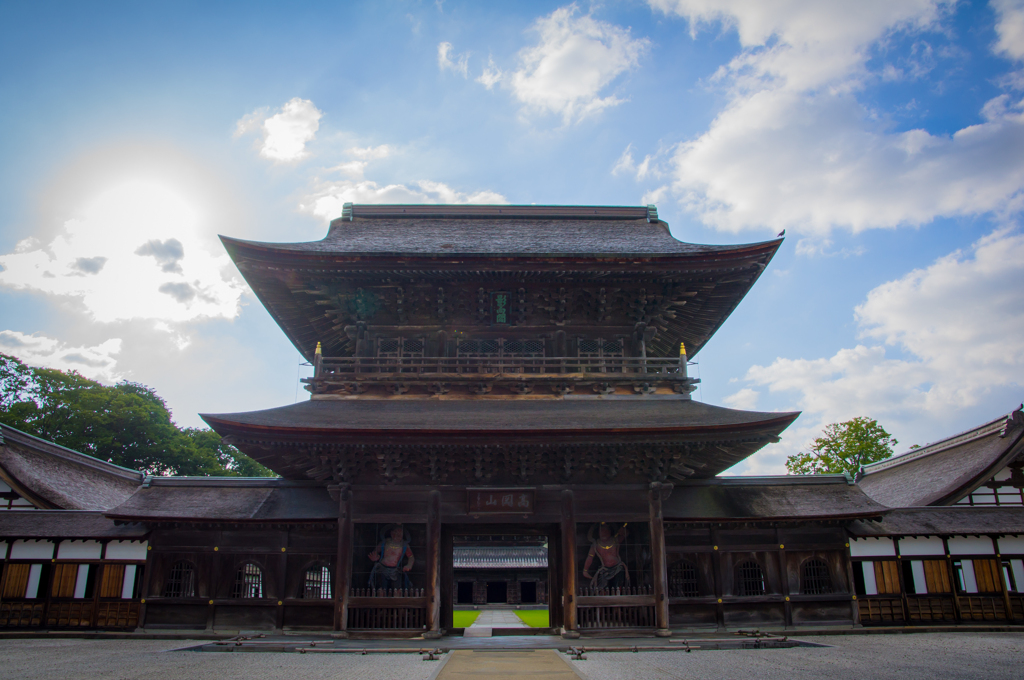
(500, 566)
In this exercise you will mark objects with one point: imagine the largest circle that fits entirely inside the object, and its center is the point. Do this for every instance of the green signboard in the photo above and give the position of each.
(500, 308)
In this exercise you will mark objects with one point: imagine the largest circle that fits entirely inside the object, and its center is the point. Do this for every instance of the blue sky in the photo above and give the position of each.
(886, 138)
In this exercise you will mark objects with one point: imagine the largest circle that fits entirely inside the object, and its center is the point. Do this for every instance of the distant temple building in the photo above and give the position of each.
(501, 411)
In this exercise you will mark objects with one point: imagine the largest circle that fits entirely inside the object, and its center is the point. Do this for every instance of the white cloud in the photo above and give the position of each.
(370, 153)
(574, 61)
(959, 325)
(328, 198)
(460, 64)
(1009, 27)
(97, 362)
(794, 148)
(491, 75)
(627, 165)
(744, 399)
(138, 251)
(286, 133)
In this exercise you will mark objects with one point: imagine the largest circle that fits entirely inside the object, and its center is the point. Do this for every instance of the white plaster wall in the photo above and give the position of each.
(79, 550)
(82, 580)
(127, 550)
(971, 545)
(920, 582)
(870, 585)
(1011, 545)
(32, 550)
(129, 582)
(924, 545)
(872, 547)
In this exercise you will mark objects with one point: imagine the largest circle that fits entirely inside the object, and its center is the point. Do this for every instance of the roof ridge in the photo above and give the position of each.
(70, 455)
(999, 425)
(351, 211)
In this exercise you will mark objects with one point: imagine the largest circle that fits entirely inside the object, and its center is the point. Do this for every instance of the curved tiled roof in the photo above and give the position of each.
(499, 230)
(947, 470)
(554, 415)
(769, 498)
(52, 476)
(511, 557)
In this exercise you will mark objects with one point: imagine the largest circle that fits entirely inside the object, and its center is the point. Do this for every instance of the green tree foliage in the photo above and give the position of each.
(844, 447)
(127, 424)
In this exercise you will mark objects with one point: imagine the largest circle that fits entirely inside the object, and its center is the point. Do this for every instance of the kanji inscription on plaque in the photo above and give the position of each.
(516, 501)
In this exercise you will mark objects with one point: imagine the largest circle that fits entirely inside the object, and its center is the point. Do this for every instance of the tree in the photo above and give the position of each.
(127, 424)
(844, 447)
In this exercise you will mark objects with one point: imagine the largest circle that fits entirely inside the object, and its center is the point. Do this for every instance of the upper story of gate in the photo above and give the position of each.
(505, 297)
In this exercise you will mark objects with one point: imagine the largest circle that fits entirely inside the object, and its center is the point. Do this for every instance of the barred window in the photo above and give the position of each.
(181, 582)
(248, 582)
(749, 579)
(815, 578)
(316, 585)
(682, 579)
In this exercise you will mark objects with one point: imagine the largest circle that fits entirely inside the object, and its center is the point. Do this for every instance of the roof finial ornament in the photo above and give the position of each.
(682, 349)
(318, 350)
(346, 212)
(652, 212)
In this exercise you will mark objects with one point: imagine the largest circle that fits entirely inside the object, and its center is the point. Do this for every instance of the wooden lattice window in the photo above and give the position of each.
(682, 579)
(113, 580)
(749, 579)
(248, 582)
(479, 348)
(815, 577)
(523, 348)
(395, 348)
(316, 584)
(181, 582)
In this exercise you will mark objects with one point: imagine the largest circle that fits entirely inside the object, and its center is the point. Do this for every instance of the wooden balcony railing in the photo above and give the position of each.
(512, 372)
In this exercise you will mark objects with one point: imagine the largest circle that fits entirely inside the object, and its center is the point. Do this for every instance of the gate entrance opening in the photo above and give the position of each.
(506, 567)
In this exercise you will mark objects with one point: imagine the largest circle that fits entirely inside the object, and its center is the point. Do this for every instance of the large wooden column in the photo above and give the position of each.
(343, 563)
(433, 565)
(658, 562)
(568, 566)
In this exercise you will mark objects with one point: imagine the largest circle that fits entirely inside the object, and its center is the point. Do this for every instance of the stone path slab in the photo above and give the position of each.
(540, 663)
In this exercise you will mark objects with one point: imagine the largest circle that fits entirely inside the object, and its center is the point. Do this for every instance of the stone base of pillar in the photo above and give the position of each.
(432, 635)
(663, 632)
(341, 634)
(570, 634)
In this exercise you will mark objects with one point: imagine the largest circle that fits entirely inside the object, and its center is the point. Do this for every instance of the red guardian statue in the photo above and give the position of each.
(613, 572)
(388, 555)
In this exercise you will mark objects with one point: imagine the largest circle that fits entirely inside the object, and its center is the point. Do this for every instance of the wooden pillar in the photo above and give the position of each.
(553, 593)
(343, 563)
(658, 562)
(783, 566)
(716, 564)
(281, 584)
(569, 566)
(447, 595)
(954, 582)
(1003, 586)
(433, 565)
(854, 605)
(147, 580)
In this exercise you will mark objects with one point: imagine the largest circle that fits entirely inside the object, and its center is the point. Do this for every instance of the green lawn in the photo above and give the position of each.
(535, 618)
(464, 619)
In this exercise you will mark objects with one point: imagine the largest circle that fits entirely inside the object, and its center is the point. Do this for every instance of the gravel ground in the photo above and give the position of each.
(963, 656)
(151, 659)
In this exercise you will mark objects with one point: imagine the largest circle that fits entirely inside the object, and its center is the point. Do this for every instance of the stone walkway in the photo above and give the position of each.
(493, 618)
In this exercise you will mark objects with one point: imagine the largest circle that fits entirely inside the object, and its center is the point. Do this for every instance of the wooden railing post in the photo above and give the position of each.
(569, 626)
(658, 561)
(343, 564)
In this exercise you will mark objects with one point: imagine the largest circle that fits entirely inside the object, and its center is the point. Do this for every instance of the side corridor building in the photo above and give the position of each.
(501, 410)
